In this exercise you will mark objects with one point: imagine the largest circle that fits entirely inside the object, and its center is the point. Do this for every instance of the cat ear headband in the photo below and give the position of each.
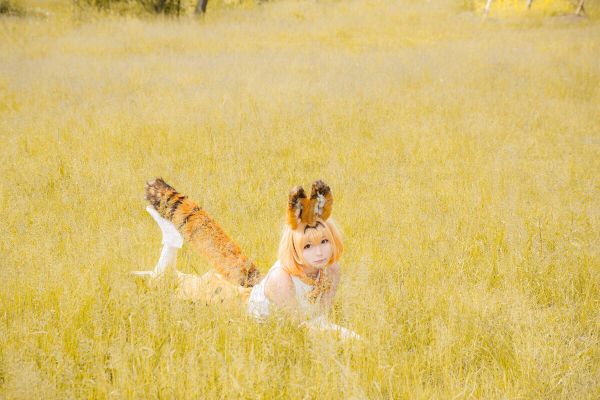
(302, 209)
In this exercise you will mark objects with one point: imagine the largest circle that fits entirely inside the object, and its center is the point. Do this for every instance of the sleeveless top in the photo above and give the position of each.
(259, 304)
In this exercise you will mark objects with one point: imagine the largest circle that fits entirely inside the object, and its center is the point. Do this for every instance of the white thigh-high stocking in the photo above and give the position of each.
(168, 257)
(172, 242)
(170, 235)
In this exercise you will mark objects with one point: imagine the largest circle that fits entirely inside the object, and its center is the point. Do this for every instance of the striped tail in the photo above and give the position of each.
(203, 233)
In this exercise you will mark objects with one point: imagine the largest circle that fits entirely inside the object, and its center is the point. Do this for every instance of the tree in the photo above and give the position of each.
(580, 9)
(201, 7)
(488, 5)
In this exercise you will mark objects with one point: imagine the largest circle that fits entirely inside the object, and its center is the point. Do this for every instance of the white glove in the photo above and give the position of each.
(322, 324)
(170, 235)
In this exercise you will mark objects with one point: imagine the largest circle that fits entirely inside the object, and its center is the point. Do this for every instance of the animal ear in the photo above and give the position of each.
(321, 200)
(296, 204)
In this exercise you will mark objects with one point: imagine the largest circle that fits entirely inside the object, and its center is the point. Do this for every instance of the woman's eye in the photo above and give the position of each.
(324, 241)
(307, 247)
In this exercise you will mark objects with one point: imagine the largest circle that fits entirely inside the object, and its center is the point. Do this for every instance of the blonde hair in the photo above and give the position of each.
(293, 242)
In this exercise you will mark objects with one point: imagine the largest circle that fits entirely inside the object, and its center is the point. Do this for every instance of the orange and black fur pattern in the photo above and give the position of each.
(203, 233)
(306, 210)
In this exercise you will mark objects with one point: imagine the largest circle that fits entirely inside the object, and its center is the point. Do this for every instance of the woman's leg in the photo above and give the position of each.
(172, 242)
(168, 257)
(210, 288)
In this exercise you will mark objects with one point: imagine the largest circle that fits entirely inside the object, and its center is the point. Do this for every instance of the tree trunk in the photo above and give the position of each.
(529, 2)
(580, 9)
(201, 7)
(488, 5)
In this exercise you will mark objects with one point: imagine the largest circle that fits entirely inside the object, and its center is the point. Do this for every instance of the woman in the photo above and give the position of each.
(302, 282)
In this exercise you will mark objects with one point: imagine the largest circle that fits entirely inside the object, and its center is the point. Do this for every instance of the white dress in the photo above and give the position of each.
(259, 304)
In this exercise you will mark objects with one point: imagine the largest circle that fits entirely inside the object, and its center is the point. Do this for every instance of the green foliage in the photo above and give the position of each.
(9, 8)
(168, 7)
(162, 6)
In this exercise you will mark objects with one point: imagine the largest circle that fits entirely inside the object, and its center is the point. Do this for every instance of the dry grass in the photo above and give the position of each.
(464, 159)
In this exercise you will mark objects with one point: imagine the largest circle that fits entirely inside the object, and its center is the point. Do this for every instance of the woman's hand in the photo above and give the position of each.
(321, 324)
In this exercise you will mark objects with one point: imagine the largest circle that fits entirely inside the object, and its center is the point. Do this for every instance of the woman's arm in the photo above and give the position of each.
(280, 290)
(333, 273)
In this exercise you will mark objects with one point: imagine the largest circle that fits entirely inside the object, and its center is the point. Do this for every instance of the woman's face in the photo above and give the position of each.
(317, 254)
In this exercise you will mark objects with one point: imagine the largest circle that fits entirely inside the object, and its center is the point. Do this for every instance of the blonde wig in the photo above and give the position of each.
(308, 221)
(293, 242)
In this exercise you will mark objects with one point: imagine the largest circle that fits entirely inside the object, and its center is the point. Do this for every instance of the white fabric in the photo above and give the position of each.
(168, 257)
(322, 324)
(259, 304)
(170, 235)
(172, 242)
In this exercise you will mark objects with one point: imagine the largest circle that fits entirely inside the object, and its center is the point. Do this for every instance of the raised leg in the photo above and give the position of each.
(172, 242)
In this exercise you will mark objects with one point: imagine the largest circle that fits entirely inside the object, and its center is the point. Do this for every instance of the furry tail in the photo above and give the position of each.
(203, 233)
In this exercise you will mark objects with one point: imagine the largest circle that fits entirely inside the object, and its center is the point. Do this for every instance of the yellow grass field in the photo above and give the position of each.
(464, 157)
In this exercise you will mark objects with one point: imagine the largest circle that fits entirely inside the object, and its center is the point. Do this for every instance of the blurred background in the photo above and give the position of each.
(462, 149)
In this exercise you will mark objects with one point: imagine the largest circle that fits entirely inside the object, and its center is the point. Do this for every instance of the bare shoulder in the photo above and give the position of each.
(280, 278)
(279, 283)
